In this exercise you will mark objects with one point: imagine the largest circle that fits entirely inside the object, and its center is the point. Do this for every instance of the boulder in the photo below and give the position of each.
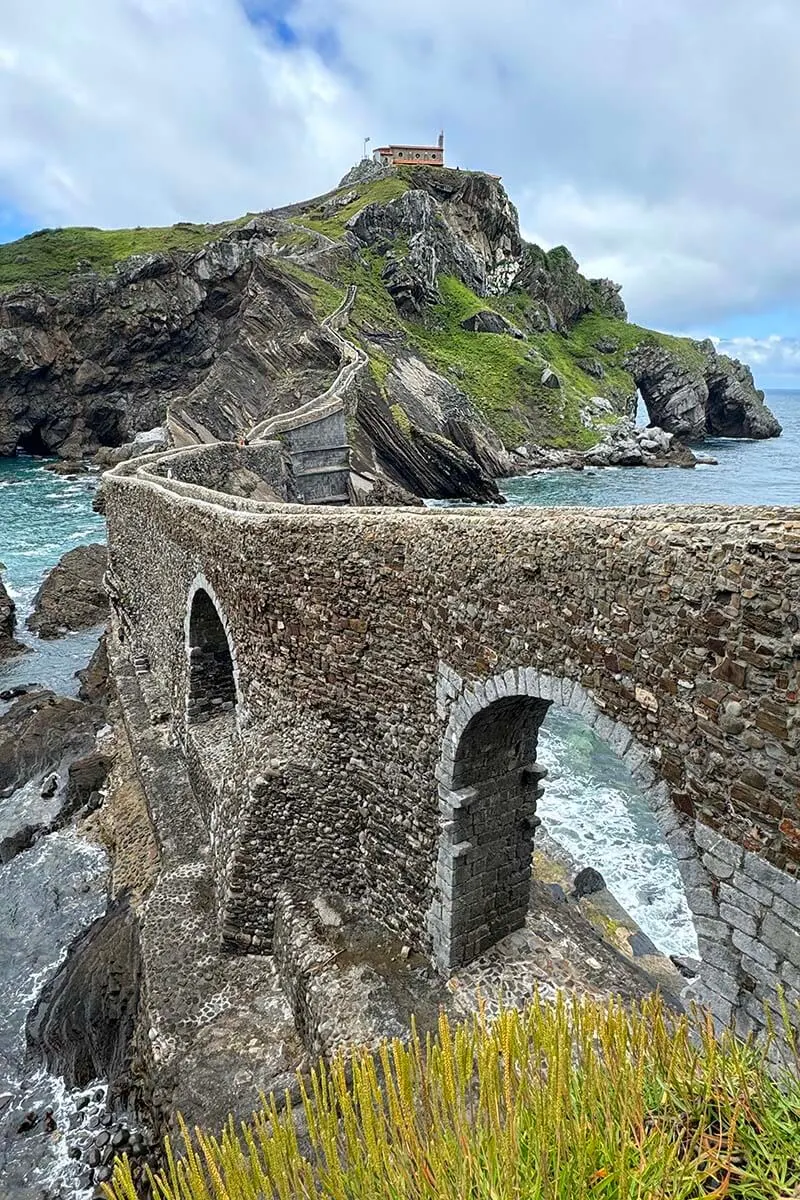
(72, 596)
(487, 321)
(95, 678)
(587, 882)
(550, 379)
(8, 623)
(592, 366)
(624, 445)
(83, 1024)
(39, 730)
(148, 441)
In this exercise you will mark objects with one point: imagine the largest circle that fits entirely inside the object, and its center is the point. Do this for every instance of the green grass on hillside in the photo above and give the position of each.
(503, 375)
(326, 297)
(51, 256)
(576, 1100)
(379, 191)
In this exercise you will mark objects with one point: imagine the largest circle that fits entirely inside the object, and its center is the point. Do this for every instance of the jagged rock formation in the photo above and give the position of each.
(700, 392)
(82, 1026)
(8, 623)
(40, 729)
(561, 293)
(72, 596)
(94, 678)
(210, 342)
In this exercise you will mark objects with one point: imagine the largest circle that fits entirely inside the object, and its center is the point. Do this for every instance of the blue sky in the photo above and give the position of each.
(656, 140)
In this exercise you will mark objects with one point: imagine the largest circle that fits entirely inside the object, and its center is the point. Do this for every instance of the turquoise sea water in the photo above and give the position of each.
(43, 515)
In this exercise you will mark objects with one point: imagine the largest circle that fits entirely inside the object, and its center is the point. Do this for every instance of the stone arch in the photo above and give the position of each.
(488, 761)
(212, 675)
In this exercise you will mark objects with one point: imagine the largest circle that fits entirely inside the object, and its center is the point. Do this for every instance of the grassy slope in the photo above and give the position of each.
(51, 256)
(377, 192)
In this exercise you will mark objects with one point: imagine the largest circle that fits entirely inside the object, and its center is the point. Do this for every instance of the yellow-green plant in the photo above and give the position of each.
(561, 1101)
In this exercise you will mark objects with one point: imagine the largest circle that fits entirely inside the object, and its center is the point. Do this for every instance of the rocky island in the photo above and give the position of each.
(481, 349)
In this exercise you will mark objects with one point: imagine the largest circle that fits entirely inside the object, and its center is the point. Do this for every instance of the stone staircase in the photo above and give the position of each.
(315, 434)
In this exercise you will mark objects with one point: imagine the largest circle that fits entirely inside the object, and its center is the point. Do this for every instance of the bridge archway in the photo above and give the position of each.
(211, 673)
(488, 787)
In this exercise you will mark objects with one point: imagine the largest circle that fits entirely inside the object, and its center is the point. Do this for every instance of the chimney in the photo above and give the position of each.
(441, 140)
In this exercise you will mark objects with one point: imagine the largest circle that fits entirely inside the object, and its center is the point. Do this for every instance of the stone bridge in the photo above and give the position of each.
(358, 691)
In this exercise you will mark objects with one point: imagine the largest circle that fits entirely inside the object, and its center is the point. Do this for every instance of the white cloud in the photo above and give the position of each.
(151, 111)
(774, 358)
(655, 139)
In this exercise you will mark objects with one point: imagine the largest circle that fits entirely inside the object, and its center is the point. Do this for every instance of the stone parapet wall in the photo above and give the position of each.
(358, 633)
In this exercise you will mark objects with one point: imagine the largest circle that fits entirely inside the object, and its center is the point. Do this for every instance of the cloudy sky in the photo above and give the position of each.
(658, 139)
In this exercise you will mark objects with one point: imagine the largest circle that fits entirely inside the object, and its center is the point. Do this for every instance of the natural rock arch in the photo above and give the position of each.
(488, 786)
(212, 675)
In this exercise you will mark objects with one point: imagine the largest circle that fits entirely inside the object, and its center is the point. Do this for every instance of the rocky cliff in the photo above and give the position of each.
(477, 343)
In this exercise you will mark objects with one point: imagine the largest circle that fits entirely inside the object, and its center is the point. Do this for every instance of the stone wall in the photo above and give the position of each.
(220, 466)
(368, 642)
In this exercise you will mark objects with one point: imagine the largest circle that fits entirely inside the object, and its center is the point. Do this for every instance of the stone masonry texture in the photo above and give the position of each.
(390, 669)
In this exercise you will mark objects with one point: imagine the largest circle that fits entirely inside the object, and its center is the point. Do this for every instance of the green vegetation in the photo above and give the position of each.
(590, 329)
(567, 1101)
(380, 365)
(400, 418)
(503, 375)
(326, 297)
(51, 256)
(379, 191)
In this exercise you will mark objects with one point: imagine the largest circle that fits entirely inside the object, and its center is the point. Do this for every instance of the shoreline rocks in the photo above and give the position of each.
(9, 646)
(38, 731)
(624, 445)
(72, 597)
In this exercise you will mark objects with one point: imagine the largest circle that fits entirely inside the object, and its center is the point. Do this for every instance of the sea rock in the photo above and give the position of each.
(72, 596)
(544, 458)
(87, 776)
(587, 882)
(82, 1026)
(8, 622)
(39, 730)
(735, 406)
(487, 321)
(95, 677)
(698, 392)
(624, 445)
(148, 441)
